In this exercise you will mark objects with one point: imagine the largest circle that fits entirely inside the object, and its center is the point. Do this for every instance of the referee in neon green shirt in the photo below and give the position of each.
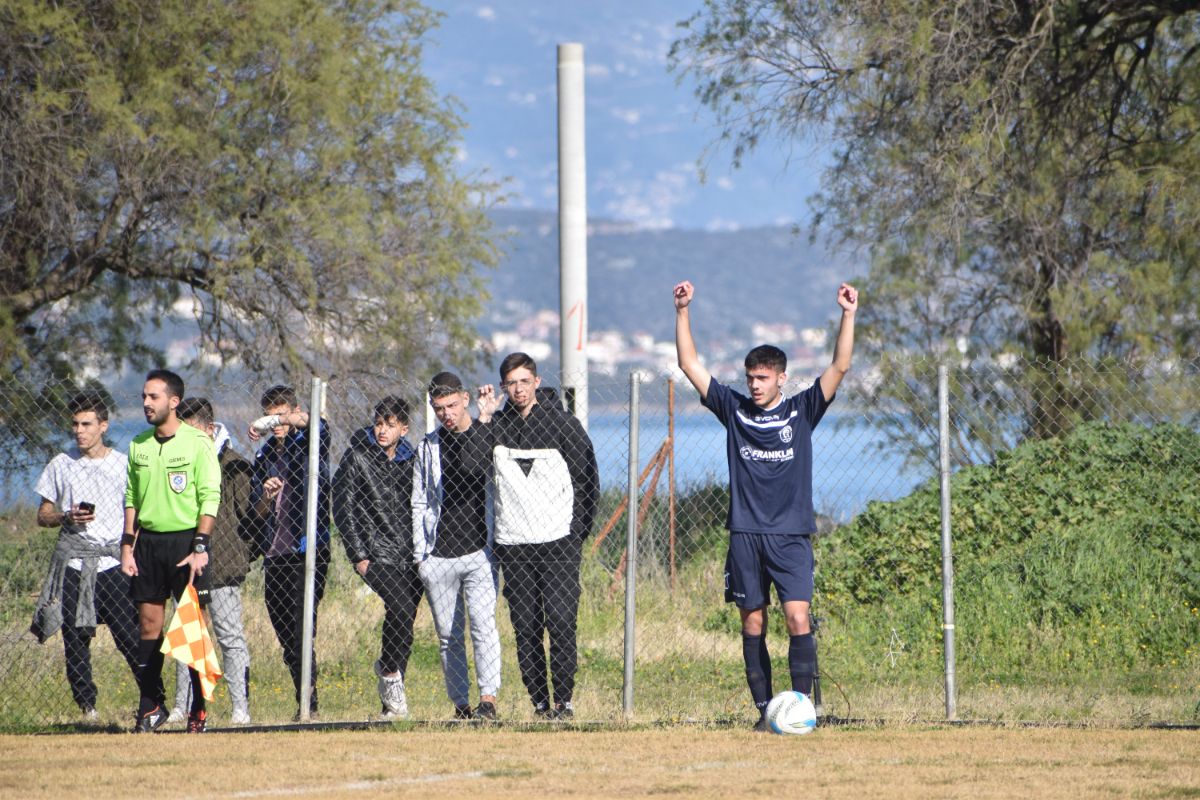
(171, 503)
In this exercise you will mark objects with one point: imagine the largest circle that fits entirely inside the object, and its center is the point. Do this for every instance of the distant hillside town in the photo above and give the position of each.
(613, 352)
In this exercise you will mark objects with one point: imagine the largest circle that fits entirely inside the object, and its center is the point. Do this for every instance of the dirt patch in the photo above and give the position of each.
(893, 762)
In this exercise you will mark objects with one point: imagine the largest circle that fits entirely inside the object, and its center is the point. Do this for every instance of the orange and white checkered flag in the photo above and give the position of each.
(187, 640)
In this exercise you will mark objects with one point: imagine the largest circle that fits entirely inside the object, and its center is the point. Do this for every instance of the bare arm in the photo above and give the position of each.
(128, 563)
(48, 516)
(843, 348)
(685, 347)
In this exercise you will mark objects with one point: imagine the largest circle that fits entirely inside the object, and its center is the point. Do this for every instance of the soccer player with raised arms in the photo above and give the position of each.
(771, 518)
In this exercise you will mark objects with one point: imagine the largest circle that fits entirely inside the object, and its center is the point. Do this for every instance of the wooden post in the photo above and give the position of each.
(620, 510)
(659, 461)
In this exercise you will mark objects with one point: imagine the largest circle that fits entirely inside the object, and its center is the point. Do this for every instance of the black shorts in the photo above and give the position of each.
(756, 560)
(158, 578)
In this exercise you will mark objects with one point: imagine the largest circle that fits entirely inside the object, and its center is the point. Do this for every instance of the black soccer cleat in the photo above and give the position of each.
(151, 721)
(486, 711)
(761, 726)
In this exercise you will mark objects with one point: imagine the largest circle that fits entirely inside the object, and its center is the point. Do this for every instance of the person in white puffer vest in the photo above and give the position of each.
(547, 486)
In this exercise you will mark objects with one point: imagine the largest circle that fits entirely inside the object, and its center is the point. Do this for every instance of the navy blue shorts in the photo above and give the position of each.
(756, 560)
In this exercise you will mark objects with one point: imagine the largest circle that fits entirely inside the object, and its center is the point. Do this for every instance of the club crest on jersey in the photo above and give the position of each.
(178, 481)
(785, 433)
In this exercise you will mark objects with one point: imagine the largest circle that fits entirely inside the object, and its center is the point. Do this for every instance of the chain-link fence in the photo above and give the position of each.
(1074, 513)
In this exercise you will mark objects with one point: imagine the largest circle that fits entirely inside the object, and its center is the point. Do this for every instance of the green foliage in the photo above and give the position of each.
(24, 557)
(1022, 175)
(284, 164)
(1077, 553)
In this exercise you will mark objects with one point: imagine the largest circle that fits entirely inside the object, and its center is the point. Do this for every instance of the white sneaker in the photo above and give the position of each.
(391, 694)
(90, 714)
(177, 717)
(240, 716)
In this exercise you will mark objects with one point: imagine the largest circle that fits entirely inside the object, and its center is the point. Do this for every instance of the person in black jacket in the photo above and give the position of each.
(547, 486)
(372, 507)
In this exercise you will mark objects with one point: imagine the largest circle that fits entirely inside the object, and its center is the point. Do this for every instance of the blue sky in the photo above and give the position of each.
(645, 133)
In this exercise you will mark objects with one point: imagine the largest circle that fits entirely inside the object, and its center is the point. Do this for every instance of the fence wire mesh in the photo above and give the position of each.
(1074, 511)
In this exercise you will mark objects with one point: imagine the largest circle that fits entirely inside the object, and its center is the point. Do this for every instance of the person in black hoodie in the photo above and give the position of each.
(372, 507)
(547, 486)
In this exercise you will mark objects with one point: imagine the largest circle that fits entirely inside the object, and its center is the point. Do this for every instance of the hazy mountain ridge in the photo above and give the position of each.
(755, 275)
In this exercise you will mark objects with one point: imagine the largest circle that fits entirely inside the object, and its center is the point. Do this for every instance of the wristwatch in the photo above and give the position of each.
(199, 547)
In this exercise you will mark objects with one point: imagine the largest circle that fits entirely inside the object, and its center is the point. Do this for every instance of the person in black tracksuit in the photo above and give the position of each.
(547, 488)
(372, 507)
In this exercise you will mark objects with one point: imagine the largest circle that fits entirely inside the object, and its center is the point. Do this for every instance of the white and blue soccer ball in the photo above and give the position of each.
(791, 713)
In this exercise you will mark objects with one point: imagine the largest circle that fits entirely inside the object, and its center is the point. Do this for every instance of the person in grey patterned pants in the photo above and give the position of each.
(233, 546)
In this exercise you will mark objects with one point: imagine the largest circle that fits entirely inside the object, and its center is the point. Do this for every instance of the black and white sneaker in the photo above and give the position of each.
(543, 711)
(486, 710)
(151, 721)
(564, 711)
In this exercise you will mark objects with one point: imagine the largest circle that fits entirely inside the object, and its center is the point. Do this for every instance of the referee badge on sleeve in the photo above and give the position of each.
(178, 481)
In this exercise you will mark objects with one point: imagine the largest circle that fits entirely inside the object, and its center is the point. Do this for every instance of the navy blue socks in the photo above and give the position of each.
(802, 662)
(758, 669)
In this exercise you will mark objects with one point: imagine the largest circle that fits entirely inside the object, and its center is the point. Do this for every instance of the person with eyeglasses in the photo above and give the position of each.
(547, 487)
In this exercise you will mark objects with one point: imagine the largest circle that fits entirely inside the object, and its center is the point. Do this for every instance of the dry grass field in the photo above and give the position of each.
(896, 762)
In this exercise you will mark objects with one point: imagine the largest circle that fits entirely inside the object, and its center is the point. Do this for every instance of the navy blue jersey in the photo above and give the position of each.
(770, 459)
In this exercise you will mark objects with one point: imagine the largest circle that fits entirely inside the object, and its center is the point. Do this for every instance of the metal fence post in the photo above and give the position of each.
(631, 545)
(947, 550)
(310, 548)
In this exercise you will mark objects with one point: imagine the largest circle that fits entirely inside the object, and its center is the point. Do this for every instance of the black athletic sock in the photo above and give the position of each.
(758, 669)
(150, 663)
(802, 662)
(197, 691)
(764, 659)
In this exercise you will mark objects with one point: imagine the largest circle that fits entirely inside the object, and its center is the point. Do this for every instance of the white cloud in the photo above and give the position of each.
(725, 182)
(511, 152)
(597, 71)
(486, 12)
(630, 116)
(647, 203)
(461, 154)
(493, 80)
(719, 224)
(523, 98)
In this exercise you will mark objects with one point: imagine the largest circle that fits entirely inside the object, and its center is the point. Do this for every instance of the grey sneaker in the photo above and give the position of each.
(178, 717)
(240, 716)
